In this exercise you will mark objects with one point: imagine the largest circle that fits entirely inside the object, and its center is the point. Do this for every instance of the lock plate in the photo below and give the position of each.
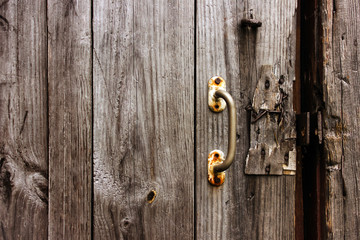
(272, 130)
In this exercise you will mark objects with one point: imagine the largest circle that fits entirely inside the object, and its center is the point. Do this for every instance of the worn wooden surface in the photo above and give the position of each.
(244, 207)
(272, 128)
(143, 119)
(23, 120)
(70, 119)
(146, 174)
(341, 91)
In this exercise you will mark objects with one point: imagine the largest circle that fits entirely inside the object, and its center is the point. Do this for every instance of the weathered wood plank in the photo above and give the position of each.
(143, 119)
(245, 207)
(341, 95)
(23, 120)
(70, 119)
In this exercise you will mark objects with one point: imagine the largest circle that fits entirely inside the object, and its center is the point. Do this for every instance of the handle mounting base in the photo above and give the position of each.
(216, 104)
(216, 157)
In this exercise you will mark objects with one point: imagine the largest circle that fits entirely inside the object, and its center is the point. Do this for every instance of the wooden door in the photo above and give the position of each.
(105, 127)
(153, 129)
(245, 207)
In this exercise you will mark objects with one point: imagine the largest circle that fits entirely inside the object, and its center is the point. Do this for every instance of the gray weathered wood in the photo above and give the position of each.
(244, 207)
(143, 119)
(23, 120)
(70, 118)
(272, 129)
(341, 88)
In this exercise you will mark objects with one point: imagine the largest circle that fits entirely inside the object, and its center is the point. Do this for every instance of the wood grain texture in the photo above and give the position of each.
(273, 136)
(70, 119)
(341, 88)
(143, 119)
(23, 120)
(244, 207)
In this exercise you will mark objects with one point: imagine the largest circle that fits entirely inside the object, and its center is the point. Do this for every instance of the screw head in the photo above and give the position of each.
(217, 81)
(267, 84)
(262, 152)
(281, 79)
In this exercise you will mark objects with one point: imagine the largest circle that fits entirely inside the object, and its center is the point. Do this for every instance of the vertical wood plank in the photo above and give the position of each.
(70, 118)
(244, 207)
(23, 120)
(341, 94)
(143, 119)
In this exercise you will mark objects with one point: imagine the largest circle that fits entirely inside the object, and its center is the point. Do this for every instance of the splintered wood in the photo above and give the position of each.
(272, 131)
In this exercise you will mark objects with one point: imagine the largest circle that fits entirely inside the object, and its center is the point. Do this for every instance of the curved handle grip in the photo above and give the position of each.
(232, 131)
(216, 165)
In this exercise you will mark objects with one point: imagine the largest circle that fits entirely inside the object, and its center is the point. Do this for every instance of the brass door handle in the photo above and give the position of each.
(219, 98)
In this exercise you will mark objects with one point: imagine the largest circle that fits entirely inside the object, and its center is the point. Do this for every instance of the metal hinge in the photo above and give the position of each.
(309, 126)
